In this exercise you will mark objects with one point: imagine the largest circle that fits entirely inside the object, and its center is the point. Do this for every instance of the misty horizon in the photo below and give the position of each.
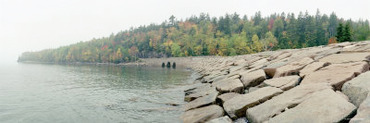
(46, 25)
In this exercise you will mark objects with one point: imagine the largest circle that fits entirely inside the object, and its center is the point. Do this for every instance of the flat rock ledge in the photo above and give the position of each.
(316, 84)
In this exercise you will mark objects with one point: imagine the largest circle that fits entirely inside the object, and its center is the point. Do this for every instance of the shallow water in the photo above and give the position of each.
(69, 93)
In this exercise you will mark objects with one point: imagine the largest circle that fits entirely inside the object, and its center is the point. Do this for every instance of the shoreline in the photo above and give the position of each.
(223, 83)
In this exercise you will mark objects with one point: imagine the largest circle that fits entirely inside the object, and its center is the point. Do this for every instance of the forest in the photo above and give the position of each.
(228, 35)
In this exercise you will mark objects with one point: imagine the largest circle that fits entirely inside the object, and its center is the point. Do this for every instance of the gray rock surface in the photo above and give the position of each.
(332, 78)
(279, 103)
(312, 68)
(363, 112)
(252, 78)
(284, 83)
(227, 96)
(237, 106)
(336, 74)
(322, 107)
(202, 114)
(229, 85)
(200, 91)
(224, 119)
(347, 57)
(202, 101)
(293, 67)
(358, 88)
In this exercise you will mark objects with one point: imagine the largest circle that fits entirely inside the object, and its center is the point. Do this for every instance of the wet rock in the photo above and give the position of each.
(202, 114)
(279, 103)
(358, 88)
(168, 65)
(237, 106)
(241, 120)
(163, 64)
(229, 85)
(292, 68)
(202, 101)
(254, 78)
(322, 107)
(227, 96)
(224, 119)
(346, 58)
(363, 112)
(284, 83)
(336, 74)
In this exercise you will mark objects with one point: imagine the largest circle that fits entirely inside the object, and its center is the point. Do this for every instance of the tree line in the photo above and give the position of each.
(227, 35)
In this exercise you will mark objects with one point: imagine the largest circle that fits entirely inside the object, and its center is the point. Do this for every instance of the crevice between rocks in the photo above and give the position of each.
(349, 117)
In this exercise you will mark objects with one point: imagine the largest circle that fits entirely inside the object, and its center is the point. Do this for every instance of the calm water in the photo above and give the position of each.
(66, 93)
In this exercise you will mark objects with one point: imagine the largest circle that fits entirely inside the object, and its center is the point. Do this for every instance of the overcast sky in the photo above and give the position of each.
(32, 25)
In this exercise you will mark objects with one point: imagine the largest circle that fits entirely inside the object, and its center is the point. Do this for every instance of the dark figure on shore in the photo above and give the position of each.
(168, 65)
(163, 64)
(174, 65)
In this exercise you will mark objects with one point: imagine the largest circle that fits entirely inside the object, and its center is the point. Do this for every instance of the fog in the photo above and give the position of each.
(27, 25)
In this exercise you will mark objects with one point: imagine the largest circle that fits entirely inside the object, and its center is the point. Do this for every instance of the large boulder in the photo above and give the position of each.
(254, 78)
(293, 67)
(227, 96)
(336, 74)
(237, 106)
(224, 119)
(284, 83)
(322, 107)
(229, 85)
(202, 114)
(363, 112)
(347, 57)
(279, 103)
(312, 68)
(202, 101)
(358, 88)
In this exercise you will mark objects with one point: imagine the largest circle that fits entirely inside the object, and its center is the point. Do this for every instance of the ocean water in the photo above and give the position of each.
(42, 93)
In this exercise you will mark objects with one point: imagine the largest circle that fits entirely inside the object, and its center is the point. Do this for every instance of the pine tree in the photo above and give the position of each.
(347, 35)
(340, 33)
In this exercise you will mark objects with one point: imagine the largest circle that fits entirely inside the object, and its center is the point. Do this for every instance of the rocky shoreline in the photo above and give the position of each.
(316, 84)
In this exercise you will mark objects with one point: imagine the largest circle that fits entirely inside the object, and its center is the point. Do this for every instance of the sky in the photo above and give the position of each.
(33, 25)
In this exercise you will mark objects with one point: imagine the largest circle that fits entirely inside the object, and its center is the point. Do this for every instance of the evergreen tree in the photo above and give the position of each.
(347, 35)
(340, 31)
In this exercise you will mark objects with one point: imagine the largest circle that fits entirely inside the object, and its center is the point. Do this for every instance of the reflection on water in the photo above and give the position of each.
(68, 93)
